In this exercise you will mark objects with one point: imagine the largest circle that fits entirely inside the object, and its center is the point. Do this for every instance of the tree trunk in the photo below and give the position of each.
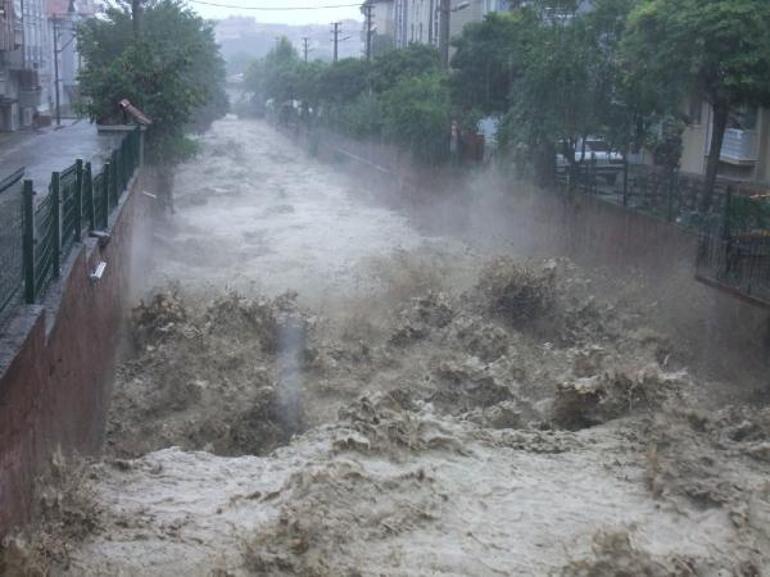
(545, 164)
(721, 114)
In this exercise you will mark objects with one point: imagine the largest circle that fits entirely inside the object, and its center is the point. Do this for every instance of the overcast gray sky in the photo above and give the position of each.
(319, 15)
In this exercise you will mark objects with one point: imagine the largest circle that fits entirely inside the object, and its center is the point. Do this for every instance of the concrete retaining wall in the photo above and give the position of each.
(58, 358)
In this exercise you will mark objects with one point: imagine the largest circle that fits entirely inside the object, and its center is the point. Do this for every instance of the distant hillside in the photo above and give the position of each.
(243, 39)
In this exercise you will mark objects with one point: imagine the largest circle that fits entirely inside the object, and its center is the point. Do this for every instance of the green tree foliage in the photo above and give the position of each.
(417, 115)
(172, 71)
(344, 81)
(717, 48)
(401, 96)
(412, 62)
(553, 71)
(276, 75)
(488, 58)
(558, 95)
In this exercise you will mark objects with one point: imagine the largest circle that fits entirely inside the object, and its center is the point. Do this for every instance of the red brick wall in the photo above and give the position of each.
(57, 361)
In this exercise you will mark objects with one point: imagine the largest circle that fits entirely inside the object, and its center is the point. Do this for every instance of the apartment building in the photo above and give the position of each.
(745, 151)
(23, 51)
(37, 48)
(417, 21)
(382, 24)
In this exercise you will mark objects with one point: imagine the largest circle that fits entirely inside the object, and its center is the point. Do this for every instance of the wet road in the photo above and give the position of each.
(46, 151)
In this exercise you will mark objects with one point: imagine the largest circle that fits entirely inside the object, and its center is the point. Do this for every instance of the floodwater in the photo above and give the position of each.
(257, 213)
(452, 414)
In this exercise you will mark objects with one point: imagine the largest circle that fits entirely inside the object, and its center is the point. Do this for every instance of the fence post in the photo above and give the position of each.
(726, 232)
(56, 216)
(625, 180)
(89, 197)
(105, 192)
(79, 199)
(140, 145)
(115, 166)
(28, 241)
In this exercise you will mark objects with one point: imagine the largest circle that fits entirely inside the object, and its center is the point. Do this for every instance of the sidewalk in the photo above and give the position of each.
(44, 151)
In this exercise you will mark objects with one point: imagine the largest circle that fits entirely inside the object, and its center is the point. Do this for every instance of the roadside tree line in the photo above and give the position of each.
(553, 74)
(162, 57)
(402, 96)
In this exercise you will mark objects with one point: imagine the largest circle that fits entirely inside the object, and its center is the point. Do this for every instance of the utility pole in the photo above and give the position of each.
(368, 8)
(305, 46)
(136, 17)
(336, 38)
(56, 67)
(431, 20)
(443, 32)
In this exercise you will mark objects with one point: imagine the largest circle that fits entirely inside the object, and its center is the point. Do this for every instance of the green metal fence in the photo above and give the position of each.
(38, 232)
(11, 261)
(734, 252)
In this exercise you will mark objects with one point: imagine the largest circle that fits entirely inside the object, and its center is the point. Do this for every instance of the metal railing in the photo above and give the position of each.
(11, 259)
(669, 195)
(37, 233)
(740, 265)
(733, 235)
(734, 254)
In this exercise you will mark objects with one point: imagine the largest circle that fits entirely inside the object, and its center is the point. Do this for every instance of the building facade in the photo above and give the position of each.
(745, 151)
(38, 54)
(417, 21)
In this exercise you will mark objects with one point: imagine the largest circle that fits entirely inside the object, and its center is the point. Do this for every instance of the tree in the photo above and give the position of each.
(487, 60)
(556, 99)
(401, 95)
(417, 115)
(173, 72)
(343, 81)
(414, 61)
(716, 48)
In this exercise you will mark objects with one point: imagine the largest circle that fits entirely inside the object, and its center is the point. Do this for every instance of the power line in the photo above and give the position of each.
(274, 8)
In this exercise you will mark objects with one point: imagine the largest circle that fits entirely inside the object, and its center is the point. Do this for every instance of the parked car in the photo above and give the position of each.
(597, 154)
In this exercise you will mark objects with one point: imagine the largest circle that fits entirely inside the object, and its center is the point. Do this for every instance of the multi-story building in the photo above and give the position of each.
(746, 148)
(421, 18)
(37, 48)
(417, 21)
(20, 49)
(383, 24)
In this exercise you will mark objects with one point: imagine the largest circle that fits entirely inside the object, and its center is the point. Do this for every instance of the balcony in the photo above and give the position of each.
(740, 147)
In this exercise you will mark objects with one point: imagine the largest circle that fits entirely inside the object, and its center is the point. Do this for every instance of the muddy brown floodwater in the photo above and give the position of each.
(317, 388)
